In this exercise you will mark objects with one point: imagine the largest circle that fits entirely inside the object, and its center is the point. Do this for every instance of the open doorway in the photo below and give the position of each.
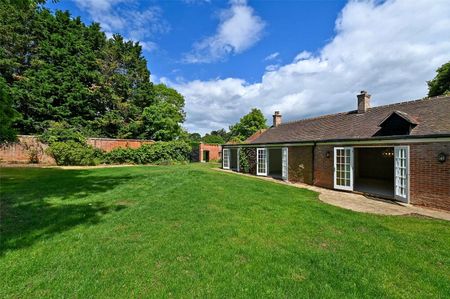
(374, 171)
(205, 156)
(275, 163)
(234, 159)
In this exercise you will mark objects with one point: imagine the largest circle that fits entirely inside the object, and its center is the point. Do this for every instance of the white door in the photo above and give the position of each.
(401, 173)
(226, 158)
(284, 163)
(261, 161)
(343, 168)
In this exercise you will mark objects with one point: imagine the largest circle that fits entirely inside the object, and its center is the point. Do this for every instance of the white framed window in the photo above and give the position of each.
(343, 168)
(261, 161)
(226, 158)
(284, 164)
(401, 173)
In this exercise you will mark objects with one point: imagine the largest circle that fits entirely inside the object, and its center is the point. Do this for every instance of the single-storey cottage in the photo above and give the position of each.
(398, 151)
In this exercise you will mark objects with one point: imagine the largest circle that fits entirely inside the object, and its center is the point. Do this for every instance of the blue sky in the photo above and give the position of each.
(304, 58)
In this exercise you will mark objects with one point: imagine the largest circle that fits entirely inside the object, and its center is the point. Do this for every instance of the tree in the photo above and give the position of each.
(195, 137)
(213, 139)
(162, 120)
(7, 114)
(440, 85)
(248, 125)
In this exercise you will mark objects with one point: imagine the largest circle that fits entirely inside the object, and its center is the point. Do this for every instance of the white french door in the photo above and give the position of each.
(284, 163)
(261, 161)
(343, 168)
(226, 158)
(238, 152)
(401, 173)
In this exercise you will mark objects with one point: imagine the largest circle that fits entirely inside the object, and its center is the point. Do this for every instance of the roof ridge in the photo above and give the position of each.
(376, 107)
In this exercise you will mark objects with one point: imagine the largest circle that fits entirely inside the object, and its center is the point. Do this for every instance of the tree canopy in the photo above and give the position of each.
(248, 125)
(440, 85)
(57, 69)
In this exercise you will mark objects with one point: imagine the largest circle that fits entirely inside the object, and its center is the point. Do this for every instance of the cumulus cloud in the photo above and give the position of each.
(124, 17)
(390, 49)
(239, 29)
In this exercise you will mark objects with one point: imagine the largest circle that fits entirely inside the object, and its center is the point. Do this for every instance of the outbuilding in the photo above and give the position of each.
(398, 151)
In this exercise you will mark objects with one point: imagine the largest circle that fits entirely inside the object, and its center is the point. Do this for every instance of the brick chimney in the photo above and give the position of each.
(276, 119)
(363, 101)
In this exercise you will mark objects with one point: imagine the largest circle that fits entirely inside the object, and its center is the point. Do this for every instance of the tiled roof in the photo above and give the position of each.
(432, 116)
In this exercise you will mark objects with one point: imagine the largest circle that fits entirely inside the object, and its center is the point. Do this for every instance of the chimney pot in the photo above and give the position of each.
(363, 101)
(276, 119)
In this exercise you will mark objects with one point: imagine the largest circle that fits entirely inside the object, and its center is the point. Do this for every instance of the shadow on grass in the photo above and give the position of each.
(36, 204)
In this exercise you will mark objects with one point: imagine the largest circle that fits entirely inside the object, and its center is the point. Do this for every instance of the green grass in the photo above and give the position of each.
(190, 231)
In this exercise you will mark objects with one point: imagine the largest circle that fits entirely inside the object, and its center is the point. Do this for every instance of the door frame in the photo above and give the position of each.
(407, 184)
(265, 161)
(335, 185)
(226, 150)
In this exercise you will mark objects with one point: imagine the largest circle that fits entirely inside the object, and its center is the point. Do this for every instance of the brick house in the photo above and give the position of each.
(399, 151)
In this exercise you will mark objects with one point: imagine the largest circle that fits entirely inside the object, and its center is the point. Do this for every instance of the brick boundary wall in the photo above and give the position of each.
(29, 148)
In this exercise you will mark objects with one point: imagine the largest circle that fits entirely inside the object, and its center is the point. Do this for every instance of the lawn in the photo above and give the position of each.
(191, 231)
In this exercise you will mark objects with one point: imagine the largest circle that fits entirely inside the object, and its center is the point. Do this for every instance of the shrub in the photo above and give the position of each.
(62, 132)
(157, 153)
(74, 153)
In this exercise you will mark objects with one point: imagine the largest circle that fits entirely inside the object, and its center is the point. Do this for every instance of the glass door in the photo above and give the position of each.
(401, 169)
(226, 158)
(261, 161)
(284, 163)
(343, 168)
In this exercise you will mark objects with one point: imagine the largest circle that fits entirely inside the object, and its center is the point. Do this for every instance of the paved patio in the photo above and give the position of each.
(360, 203)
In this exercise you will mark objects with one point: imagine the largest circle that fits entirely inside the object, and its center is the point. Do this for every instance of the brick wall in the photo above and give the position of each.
(430, 179)
(29, 148)
(323, 166)
(215, 151)
(300, 159)
(108, 144)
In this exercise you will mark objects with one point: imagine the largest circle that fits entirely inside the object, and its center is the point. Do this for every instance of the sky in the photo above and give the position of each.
(303, 58)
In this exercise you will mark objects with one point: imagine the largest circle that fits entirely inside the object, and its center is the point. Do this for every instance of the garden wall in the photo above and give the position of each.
(29, 149)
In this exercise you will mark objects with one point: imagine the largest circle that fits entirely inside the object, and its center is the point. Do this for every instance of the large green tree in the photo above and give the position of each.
(162, 120)
(60, 70)
(440, 85)
(248, 125)
(7, 114)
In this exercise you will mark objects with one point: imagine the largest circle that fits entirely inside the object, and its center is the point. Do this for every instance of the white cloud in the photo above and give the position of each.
(389, 49)
(239, 29)
(272, 56)
(124, 17)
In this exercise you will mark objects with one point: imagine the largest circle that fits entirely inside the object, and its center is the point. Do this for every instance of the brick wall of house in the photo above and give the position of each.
(323, 166)
(29, 149)
(430, 179)
(300, 159)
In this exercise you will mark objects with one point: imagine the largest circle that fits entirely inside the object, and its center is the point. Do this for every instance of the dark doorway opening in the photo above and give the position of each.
(206, 156)
(374, 171)
(234, 159)
(274, 163)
